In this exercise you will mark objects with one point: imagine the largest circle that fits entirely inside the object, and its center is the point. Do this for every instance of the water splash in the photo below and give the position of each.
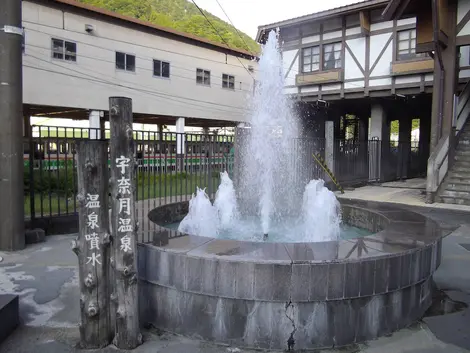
(226, 202)
(321, 213)
(202, 218)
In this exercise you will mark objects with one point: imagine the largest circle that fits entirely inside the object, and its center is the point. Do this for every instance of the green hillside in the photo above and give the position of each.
(181, 15)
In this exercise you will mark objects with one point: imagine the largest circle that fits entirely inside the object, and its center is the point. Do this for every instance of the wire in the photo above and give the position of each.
(155, 92)
(159, 49)
(239, 34)
(147, 69)
(218, 33)
(153, 48)
(125, 42)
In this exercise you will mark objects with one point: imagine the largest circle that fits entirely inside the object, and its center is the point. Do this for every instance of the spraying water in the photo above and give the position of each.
(226, 202)
(202, 218)
(320, 215)
(267, 202)
(266, 150)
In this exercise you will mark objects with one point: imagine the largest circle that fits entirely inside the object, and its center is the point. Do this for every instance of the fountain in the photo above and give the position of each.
(267, 195)
(329, 273)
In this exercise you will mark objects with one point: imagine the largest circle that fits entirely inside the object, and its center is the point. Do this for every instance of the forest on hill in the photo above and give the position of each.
(181, 15)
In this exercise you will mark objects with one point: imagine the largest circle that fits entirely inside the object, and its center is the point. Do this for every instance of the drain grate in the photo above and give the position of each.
(465, 246)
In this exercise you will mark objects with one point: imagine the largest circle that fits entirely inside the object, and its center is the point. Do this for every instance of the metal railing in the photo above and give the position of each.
(169, 166)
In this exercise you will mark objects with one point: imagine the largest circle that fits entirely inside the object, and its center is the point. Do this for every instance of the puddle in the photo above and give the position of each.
(442, 305)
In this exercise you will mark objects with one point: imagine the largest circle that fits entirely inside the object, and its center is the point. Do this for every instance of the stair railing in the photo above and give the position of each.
(441, 158)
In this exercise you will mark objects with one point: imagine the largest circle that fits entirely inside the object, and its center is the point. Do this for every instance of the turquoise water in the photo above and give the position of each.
(287, 231)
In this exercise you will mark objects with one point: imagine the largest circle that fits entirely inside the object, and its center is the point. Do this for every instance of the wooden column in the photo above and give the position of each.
(124, 224)
(93, 244)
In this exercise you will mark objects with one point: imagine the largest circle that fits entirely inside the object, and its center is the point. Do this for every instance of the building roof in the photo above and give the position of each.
(342, 10)
(160, 30)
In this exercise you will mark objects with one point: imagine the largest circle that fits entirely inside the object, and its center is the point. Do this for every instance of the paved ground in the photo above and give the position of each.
(410, 193)
(45, 277)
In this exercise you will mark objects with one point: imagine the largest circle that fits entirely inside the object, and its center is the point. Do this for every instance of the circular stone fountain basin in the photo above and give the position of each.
(259, 294)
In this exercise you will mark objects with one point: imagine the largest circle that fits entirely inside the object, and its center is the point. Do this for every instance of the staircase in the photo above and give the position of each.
(449, 164)
(456, 187)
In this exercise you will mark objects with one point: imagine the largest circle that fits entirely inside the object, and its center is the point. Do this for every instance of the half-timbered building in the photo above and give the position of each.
(374, 65)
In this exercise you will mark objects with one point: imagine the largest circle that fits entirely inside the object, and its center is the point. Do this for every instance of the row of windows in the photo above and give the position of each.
(65, 50)
(331, 53)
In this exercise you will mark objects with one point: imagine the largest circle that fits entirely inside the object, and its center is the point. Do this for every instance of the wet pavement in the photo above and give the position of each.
(45, 276)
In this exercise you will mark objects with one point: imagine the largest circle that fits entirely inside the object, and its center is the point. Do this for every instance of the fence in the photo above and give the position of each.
(169, 166)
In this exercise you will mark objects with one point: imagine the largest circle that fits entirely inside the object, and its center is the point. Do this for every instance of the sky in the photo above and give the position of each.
(247, 15)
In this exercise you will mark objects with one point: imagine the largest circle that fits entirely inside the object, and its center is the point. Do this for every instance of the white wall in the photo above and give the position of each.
(93, 78)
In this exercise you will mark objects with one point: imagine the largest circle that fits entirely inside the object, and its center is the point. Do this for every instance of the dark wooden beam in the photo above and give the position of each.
(463, 21)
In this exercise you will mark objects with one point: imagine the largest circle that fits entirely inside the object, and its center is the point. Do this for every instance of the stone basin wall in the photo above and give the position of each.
(259, 294)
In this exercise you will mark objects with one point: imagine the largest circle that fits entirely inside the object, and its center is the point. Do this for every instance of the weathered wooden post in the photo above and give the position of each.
(124, 224)
(93, 244)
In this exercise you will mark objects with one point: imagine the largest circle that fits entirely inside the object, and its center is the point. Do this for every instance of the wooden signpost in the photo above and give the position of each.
(124, 224)
(108, 274)
(93, 244)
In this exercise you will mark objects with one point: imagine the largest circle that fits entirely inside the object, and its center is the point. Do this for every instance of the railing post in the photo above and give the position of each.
(92, 245)
(124, 225)
(32, 208)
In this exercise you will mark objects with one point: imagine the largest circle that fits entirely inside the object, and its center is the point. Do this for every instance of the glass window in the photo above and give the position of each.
(228, 81)
(125, 62)
(406, 45)
(64, 50)
(332, 56)
(165, 69)
(311, 59)
(203, 77)
(161, 68)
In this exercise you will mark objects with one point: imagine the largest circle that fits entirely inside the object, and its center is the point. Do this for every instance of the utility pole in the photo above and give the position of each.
(11, 121)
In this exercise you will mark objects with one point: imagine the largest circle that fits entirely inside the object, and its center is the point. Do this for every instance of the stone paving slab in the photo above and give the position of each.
(401, 196)
(50, 313)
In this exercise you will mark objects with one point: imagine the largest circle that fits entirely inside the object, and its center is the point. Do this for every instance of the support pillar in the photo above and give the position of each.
(180, 144)
(330, 145)
(363, 141)
(12, 235)
(404, 145)
(94, 124)
(380, 136)
(445, 82)
(424, 141)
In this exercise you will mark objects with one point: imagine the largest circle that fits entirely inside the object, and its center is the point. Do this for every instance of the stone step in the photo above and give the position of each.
(462, 186)
(456, 175)
(461, 169)
(455, 201)
(463, 146)
(456, 194)
(462, 163)
(9, 315)
(459, 156)
(462, 152)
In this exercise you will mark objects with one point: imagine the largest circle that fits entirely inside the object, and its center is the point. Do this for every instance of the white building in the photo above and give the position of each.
(77, 56)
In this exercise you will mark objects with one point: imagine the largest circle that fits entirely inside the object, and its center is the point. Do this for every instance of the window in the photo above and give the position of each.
(161, 68)
(311, 59)
(203, 77)
(125, 61)
(406, 44)
(63, 50)
(228, 81)
(332, 56)
(464, 56)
